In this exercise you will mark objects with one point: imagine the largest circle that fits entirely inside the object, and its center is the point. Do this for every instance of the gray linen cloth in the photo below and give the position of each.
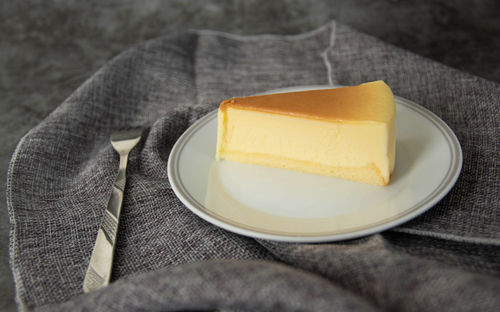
(168, 259)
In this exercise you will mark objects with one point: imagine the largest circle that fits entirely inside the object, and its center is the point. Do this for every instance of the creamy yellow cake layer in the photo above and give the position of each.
(347, 133)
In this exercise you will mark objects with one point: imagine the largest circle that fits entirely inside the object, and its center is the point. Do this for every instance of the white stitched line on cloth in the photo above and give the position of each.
(325, 54)
(263, 36)
(18, 281)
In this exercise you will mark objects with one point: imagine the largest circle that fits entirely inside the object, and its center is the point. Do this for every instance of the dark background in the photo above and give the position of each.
(48, 48)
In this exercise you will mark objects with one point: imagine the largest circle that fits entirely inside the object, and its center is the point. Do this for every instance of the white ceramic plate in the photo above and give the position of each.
(291, 206)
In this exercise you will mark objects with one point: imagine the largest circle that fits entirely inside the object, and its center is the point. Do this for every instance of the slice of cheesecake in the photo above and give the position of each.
(347, 132)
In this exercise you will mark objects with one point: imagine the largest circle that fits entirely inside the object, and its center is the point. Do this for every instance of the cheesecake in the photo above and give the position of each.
(347, 133)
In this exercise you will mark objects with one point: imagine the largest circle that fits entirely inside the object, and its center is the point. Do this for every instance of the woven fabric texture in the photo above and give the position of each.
(168, 259)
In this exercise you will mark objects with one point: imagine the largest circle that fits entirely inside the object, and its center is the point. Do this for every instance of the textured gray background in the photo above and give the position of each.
(47, 49)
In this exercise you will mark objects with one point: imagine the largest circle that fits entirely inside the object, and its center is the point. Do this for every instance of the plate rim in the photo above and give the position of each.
(447, 183)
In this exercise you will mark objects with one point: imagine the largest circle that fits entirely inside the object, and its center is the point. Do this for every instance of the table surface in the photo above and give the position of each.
(48, 49)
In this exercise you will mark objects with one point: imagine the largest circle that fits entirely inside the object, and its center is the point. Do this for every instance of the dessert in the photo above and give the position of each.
(346, 132)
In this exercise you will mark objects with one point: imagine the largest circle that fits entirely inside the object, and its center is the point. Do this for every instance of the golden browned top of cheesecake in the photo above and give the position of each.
(371, 101)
